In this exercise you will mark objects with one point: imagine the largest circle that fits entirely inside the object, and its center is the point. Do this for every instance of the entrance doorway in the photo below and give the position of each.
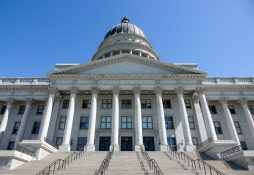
(149, 143)
(126, 143)
(104, 144)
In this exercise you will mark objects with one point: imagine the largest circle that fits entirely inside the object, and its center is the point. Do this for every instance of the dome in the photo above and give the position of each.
(125, 27)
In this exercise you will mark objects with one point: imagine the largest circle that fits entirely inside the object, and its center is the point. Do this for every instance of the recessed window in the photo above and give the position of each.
(251, 109)
(169, 122)
(147, 122)
(237, 127)
(40, 109)
(212, 109)
(191, 122)
(195, 141)
(36, 128)
(134, 52)
(62, 122)
(106, 103)
(21, 109)
(146, 103)
(231, 109)
(166, 103)
(81, 143)
(217, 128)
(11, 145)
(187, 103)
(172, 143)
(125, 51)
(105, 122)
(126, 104)
(107, 55)
(86, 104)
(84, 122)
(16, 128)
(65, 103)
(126, 122)
(3, 108)
(59, 141)
(243, 145)
(117, 52)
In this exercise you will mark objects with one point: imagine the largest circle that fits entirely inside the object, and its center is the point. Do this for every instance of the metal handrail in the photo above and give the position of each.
(231, 151)
(142, 164)
(60, 164)
(203, 144)
(105, 163)
(25, 151)
(210, 169)
(151, 162)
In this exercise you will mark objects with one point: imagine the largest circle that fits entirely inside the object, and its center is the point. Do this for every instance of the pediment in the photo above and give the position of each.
(126, 65)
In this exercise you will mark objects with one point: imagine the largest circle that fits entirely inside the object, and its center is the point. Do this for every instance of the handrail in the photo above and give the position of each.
(60, 164)
(25, 151)
(141, 164)
(210, 168)
(105, 163)
(203, 144)
(151, 162)
(231, 151)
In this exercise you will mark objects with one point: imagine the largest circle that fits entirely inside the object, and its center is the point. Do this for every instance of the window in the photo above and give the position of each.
(217, 128)
(126, 104)
(195, 141)
(65, 103)
(59, 141)
(166, 103)
(11, 145)
(243, 145)
(172, 143)
(169, 122)
(191, 122)
(251, 109)
(237, 127)
(147, 122)
(126, 122)
(21, 109)
(36, 128)
(84, 122)
(81, 143)
(40, 109)
(86, 104)
(62, 122)
(231, 109)
(146, 103)
(187, 103)
(16, 128)
(3, 108)
(106, 103)
(105, 122)
(212, 109)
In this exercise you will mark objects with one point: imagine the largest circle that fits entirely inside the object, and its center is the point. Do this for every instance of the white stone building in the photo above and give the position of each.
(126, 97)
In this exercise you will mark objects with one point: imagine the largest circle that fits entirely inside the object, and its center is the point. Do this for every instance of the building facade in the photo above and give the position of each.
(127, 98)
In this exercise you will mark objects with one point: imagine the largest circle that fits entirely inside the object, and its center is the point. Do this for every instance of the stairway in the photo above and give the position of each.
(33, 167)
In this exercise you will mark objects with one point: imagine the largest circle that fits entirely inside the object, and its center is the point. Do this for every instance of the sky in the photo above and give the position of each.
(218, 35)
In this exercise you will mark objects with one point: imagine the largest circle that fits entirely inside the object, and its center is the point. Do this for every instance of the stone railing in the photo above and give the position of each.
(24, 81)
(229, 80)
(232, 151)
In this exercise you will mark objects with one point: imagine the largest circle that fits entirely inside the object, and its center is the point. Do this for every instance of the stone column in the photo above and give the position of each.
(199, 116)
(23, 123)
(69, 120)
(115, 120)
(161, 121)
(5, 118)
(230, 122)
(183, 112)
(248, 117)
(207, 115)
(138, 120)
(92, 122)
(47, 115)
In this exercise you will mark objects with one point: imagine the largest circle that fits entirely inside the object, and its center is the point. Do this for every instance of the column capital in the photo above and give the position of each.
(52, 90)
(94, 90)
(195, 97)
(158, 90)
(200, 90)
(179, 90)
(73, 90)
(10, 101)
(29, 101)
(223, 100)
(243, 101)
(137, 90)
(116, 89)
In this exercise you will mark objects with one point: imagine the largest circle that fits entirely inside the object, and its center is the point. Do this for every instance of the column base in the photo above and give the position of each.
(164, 148)
(64, 148)
(137, 147)
(89, 148)
(116, 147)
(189, 148)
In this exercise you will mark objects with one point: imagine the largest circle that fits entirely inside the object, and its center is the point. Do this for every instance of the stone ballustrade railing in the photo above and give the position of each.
(229, 80)
(24, 81)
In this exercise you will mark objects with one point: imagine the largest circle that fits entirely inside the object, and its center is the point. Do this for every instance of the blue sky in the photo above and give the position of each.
(37, 34)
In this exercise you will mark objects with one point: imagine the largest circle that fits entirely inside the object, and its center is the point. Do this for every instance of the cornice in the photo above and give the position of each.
(24, 87)
(229, 87)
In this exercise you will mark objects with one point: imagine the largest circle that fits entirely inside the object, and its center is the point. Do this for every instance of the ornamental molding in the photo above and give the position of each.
(222, 88)
(31, 88)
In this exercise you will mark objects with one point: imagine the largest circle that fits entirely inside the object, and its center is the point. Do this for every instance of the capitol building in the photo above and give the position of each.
(126, 99)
